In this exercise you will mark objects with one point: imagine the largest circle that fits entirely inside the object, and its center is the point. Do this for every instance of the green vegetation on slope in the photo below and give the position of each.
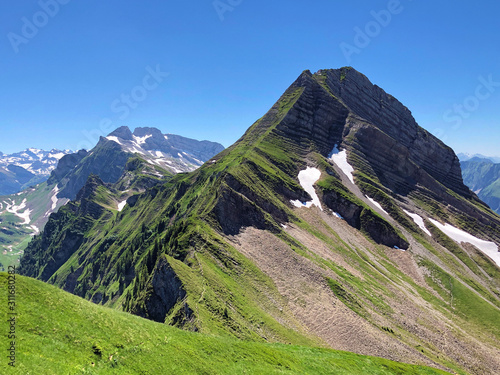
(58, 333)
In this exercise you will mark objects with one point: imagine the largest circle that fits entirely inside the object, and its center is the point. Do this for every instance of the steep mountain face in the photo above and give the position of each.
(29, 167)
(483, 177)
(335, 220)
(109, 157)
(172, 152)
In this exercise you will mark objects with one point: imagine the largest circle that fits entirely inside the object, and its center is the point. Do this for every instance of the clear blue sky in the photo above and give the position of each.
(60, 79)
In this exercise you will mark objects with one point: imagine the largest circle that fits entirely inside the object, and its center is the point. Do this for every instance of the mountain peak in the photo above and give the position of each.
(145, 131)
(342, 107)
(122, 132)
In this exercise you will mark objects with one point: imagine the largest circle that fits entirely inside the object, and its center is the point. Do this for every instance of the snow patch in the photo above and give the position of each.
(299, 204)
(338, 215)
(458, 235)
(25, 216)
(114, 139)
(55, 191)
(121, 205)
(142, 140)
(166, 137)
(419, 221)
(176, 170)
(307, 178)
(340, 159)
(135, 150)
(56, 156)
(35, 230)
(16, 210)
(159, 154)
(376, 204)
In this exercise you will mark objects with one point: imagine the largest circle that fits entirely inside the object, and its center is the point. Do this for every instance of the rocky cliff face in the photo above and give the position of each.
(164, 293)
(64, 232)
(109, 158)
(66, 164)
(328, 220)
(173, 152)
(342, 107)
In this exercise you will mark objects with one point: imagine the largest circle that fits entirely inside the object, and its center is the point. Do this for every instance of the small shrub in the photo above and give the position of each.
(96, 348)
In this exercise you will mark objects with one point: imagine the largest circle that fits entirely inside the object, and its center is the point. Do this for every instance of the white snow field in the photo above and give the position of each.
(55, 191)
(307, 178)
(121, 205)
(419, 221)
(13, 209)
(458, 235)
(114, 139)
(141, 140)
(340, 159)
(376, 204)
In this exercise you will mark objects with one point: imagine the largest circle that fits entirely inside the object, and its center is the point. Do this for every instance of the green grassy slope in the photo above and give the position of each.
(59, 333)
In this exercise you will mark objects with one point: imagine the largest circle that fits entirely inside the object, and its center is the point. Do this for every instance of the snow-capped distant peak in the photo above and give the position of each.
(34, 160)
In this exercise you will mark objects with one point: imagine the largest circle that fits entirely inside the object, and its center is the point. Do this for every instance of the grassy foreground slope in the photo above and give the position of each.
(59, 333)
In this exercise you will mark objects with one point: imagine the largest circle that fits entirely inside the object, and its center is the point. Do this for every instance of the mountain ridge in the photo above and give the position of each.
(129, 165)
(239, 248)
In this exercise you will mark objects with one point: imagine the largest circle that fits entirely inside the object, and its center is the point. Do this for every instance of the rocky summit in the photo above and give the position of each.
(334, 221)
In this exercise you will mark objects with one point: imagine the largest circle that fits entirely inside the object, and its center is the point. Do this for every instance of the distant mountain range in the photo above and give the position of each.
(465, 157)
(25, 168)
(483, 177)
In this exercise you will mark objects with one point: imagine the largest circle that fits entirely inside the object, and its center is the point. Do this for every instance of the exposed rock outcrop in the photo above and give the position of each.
(164, 291)
(65, 165)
